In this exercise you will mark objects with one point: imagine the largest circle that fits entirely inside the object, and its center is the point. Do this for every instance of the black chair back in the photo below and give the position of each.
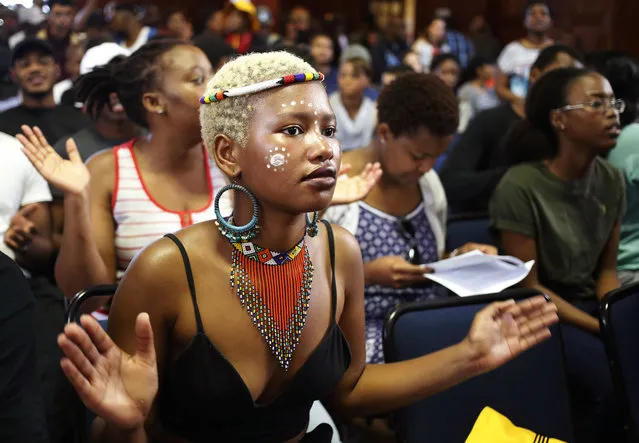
(467, 228)
(619, 321)
(531, 390)
(74, 309)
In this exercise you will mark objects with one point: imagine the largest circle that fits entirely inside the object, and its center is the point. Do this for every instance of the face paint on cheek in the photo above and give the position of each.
(276, 159)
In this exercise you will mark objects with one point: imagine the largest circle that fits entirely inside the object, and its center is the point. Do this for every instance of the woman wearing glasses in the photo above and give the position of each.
(401, 224)
(563, 210)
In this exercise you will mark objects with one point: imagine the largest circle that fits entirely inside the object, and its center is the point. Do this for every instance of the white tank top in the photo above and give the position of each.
(140, 219)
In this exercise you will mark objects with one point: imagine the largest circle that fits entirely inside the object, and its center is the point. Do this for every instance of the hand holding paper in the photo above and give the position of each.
(476, 273)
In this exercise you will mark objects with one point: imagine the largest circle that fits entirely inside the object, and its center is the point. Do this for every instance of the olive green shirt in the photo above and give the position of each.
(571, 222)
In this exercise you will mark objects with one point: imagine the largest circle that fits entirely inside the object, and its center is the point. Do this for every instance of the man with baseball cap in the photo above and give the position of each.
(35, 71)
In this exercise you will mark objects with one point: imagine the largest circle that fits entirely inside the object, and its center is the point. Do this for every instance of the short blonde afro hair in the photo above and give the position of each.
(231, 116)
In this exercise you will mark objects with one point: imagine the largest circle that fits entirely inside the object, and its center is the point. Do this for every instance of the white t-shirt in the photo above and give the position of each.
(515, 61)
(20, 185)
(145, 34)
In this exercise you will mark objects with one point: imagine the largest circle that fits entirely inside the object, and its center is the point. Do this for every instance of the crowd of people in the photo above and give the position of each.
(190, 163)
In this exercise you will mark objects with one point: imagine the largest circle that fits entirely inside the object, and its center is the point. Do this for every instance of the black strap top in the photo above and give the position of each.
(203, 398)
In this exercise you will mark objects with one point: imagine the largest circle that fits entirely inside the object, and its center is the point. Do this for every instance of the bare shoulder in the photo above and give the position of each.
(347, 251)
(101, 165)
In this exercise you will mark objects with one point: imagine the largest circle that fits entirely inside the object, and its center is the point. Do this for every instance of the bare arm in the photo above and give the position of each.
(141, 290)
(502, 88)
(607, 280)
(369, 389)
(83, 14)
(525, 249)
(87, 254)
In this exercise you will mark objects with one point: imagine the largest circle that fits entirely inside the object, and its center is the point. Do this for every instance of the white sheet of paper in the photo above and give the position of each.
(476, 273)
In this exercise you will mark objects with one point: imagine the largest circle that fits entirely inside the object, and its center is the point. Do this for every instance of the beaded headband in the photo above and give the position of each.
(262, 86)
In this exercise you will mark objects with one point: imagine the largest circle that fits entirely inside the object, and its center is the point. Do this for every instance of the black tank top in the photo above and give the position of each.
(202, 397)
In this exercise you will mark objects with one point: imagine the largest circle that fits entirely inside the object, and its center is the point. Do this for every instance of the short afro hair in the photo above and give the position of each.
(418, 101)
(231, 116)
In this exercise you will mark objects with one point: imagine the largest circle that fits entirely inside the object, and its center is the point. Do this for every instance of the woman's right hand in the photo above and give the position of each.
(395, 272)
(116, 386)
(70, 176)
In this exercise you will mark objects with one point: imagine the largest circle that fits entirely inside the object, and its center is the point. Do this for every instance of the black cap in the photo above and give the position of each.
(30, 44)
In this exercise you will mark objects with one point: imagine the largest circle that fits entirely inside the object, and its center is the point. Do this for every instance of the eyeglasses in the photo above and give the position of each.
(407, 230)
(599, 105)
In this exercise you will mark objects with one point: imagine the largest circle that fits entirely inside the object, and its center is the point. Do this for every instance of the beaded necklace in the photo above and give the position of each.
(275, 290)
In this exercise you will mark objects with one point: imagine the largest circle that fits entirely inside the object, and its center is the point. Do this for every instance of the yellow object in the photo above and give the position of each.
(492, 427)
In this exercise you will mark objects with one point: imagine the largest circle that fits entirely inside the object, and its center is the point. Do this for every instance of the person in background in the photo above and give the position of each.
(622, 70)
(59, 32)
(388, 50)
(35, 71)
(563, 209)
(321, 49)
(431, 43)
(74, 56)
(447, 68)
(411, 58)
(10, 25)
(484, 41)
(456, 42)
(211, 20)
(518, 56)
(477, 161)
(241, 26)
(401, 224)
(215, 48)
(355, 113)
(22, 411)
(126, 23)
(31, 21)
(391, 75)
(477, 90)
(177, 25)
(96, 27)
(359, 51)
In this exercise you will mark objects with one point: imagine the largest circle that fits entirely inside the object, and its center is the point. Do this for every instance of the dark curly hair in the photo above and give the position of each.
(130, 79)
(418, 101)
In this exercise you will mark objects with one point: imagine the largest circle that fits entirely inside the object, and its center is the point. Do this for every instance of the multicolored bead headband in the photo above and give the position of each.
(262, 86)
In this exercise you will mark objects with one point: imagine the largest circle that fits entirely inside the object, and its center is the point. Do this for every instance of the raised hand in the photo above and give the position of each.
(503, 330)
(352, 189)
(70, 176)
(116, 386)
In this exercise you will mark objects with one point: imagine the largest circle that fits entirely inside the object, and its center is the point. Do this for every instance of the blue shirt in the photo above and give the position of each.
(625, 157)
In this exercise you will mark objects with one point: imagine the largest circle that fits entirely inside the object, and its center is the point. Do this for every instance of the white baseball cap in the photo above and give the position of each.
(101, 55)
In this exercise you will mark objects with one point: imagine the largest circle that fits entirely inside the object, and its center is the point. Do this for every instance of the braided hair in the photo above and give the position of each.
(129, 78)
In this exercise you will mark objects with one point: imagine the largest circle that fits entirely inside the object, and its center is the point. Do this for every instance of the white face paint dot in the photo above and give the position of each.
(277, 160)
(314, 112)
(301, 102)
(293, 103)
(283, 149)
(283, 105)
(310, 105)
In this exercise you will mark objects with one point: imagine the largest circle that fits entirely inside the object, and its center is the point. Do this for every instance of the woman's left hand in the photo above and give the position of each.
(352, 189)
(468, 247)
(503, 330)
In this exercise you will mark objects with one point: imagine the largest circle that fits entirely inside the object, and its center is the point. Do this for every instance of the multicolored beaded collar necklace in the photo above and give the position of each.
(275, 290)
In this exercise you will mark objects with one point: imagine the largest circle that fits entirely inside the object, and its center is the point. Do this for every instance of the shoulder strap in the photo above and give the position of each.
(190, 280)
(331, 248)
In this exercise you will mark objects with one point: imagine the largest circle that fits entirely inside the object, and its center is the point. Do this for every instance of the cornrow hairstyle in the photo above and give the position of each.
(418, 101)
(130, 78)
(535, 138)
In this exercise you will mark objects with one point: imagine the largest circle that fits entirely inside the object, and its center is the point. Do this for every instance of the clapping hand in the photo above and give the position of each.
(503, 330)
(70, 176)
(352, 189)
(113, 384)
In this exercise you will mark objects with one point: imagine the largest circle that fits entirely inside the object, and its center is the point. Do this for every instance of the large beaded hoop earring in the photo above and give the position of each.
(311, 224)
(234, 233)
